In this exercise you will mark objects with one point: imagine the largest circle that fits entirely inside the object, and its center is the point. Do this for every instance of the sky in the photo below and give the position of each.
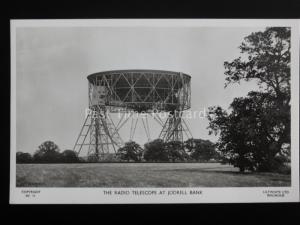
(53, 63)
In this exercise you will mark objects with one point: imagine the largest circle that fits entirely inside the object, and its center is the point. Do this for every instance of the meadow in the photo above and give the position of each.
(143, 175)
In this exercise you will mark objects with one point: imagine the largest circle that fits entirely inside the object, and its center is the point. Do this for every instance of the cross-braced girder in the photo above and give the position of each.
(144, 90)
(104, 137)
(175, 128)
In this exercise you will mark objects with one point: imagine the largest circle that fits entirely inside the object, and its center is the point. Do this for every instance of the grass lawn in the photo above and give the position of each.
(143, 175)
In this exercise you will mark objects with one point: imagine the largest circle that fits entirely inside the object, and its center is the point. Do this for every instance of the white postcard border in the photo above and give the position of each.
(203, 194)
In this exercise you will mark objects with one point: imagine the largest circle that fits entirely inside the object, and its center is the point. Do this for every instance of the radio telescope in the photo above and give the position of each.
(147, 92)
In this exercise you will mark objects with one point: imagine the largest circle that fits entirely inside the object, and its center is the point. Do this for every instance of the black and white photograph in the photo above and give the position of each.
(154, 111)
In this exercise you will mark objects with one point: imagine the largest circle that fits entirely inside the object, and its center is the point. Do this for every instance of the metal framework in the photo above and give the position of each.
(144, 90)
(175, 128)
(133, 91)
(104, 137)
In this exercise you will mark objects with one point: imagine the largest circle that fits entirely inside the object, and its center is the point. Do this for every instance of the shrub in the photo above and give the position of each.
(22, 157)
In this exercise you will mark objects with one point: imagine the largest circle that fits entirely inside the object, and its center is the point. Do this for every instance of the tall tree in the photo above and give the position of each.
(48, 152)
(258, 126)
(265, 58)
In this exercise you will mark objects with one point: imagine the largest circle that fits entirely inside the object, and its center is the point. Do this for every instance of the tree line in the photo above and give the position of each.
(48, 152)
(197, 150)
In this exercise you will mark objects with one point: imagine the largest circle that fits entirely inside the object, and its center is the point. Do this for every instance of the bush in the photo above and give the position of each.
(22, 157)
(201, 150)
(131, 151)
(69, 156)
(175, 151)
(155, 151)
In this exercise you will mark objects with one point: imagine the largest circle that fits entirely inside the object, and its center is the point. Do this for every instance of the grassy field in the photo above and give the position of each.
(143, 175)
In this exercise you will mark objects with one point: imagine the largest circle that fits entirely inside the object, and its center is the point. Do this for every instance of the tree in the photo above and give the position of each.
(48, 152)
(253, 134)
(131, 151)
(266, 59)
(69, 156)
(156, 151)
(201, 150)
(175, 151)
(22, 157)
